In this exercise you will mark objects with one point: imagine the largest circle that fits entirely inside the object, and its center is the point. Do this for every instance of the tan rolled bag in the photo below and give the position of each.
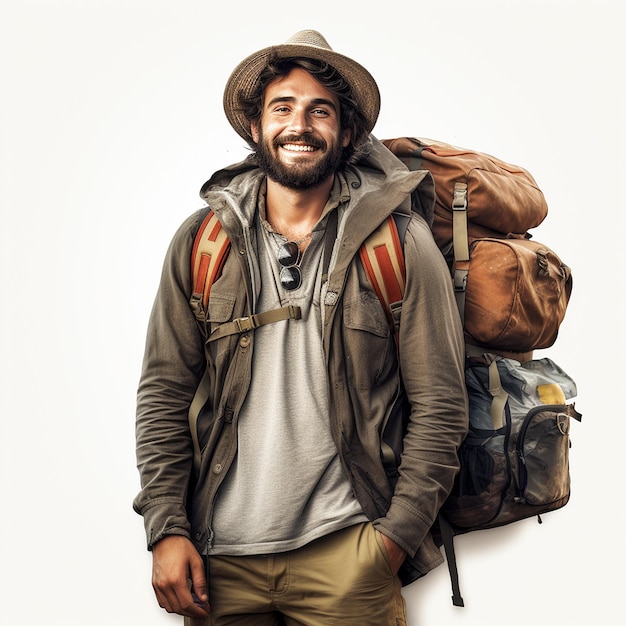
(512, 291)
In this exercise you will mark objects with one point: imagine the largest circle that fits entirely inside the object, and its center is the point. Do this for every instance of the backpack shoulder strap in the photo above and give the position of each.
(383, 260)
(208, 255)
(210, 249)
(381, 254)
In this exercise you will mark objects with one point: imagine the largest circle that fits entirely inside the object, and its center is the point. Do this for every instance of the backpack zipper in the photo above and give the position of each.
(558, 409)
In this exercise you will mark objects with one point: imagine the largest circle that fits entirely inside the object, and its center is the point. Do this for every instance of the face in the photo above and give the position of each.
(299, 139)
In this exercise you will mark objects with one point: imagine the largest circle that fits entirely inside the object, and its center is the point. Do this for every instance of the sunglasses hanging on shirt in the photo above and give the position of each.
(289, 256)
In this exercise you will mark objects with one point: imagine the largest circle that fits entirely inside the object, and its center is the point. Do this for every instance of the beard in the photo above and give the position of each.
(299, 176)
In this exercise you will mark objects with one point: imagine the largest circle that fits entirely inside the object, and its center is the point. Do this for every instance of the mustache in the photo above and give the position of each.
(304, 138)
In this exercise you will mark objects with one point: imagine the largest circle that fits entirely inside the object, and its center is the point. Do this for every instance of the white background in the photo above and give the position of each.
(111, 121)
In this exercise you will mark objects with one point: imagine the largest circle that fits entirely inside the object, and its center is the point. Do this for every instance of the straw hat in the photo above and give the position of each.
(307, 44)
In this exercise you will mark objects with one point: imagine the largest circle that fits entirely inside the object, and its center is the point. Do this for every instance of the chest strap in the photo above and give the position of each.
(244, 324)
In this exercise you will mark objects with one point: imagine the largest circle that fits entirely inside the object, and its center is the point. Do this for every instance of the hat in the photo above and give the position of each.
(307, 44)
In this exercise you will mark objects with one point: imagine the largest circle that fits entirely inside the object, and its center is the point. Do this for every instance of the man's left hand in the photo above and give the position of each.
(395, 552)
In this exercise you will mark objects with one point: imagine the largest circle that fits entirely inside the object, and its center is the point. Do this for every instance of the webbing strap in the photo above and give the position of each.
(447, 537)
(500, 396)
(244, 324)
(199, 400)
(460, 244)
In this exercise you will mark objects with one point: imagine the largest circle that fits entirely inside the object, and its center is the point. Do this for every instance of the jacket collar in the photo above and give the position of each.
(378, 183)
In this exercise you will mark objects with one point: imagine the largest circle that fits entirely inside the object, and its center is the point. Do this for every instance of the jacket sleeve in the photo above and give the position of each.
(172, 366)
(431, 352)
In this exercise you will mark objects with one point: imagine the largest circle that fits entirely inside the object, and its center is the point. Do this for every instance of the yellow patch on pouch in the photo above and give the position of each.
(551, 394)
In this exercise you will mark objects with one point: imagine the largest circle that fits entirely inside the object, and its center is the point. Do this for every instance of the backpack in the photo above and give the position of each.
(512, 294)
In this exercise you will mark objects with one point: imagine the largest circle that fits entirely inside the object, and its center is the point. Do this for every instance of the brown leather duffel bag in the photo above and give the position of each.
(502, 199)
(516, 295)
(512, 292)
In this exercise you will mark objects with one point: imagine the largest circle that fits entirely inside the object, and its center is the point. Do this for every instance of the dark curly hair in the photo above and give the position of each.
(350, 116)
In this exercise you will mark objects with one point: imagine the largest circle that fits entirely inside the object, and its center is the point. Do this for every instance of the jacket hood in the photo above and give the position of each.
(388, 179)
(419, 183)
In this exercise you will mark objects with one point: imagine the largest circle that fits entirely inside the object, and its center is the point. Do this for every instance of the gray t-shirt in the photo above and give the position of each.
(286, 486)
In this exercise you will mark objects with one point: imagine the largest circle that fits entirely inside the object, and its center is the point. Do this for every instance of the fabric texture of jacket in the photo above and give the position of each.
(363, 365)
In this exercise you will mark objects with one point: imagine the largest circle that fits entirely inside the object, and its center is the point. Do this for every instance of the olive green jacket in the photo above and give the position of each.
(363, 365)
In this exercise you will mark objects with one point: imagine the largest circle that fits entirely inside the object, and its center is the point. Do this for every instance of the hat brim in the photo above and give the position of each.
(244, 77)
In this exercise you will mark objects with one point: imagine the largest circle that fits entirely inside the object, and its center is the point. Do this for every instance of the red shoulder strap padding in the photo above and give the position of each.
(381, 255)
(210, 249)
(383, 261)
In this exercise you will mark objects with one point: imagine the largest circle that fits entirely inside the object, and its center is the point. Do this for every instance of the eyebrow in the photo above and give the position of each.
(314, 102)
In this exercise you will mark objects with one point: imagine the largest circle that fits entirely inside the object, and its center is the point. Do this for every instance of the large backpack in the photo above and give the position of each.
(512, 294)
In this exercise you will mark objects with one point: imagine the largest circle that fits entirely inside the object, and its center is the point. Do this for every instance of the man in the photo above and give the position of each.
(292, 516)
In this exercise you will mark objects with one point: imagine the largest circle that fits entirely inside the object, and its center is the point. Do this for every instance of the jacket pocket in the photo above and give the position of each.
(367, 337)
(220, 310)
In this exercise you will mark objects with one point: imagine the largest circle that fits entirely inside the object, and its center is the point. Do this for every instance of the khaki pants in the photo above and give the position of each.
(342, 579)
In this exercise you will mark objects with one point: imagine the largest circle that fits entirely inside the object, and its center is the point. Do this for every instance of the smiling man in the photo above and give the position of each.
(291, 516)
(298, 140)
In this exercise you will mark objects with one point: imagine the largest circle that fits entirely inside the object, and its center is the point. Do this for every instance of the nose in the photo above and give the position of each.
(300, 121)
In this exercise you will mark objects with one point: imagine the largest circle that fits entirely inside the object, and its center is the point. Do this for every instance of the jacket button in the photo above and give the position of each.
(331, 297)
(217, 468)
(244, 342)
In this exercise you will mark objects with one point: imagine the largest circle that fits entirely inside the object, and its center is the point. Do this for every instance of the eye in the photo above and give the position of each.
(320, 112)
